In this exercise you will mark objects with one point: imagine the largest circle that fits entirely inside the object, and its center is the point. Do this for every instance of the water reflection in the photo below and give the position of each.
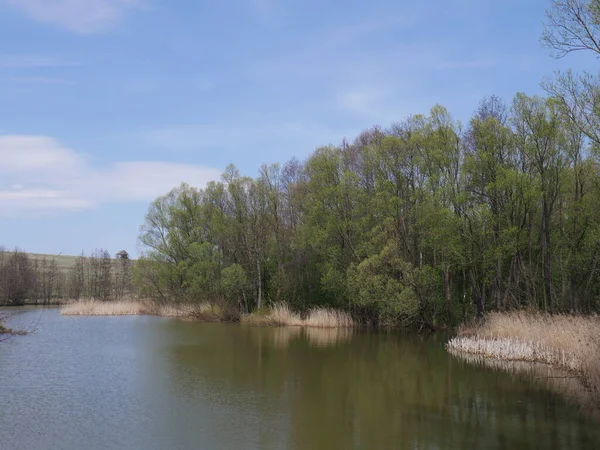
(153, 383)
(327, 337)
(375, 390)
(562, 382)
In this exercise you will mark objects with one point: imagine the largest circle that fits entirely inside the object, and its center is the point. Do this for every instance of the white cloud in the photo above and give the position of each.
(78, 16)
(39, 176)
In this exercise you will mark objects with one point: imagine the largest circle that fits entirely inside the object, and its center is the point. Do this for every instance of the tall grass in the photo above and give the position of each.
(328, 318)
(570, 342)
(201, 311)
(281, 315)
(99, 308)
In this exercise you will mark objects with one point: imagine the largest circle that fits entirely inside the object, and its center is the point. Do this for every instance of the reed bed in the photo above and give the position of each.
(328, 318)
(565, 341)
(201, 311)
(280, 315)
(99, 308)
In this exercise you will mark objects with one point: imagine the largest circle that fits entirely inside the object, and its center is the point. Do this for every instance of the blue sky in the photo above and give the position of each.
(108, 103)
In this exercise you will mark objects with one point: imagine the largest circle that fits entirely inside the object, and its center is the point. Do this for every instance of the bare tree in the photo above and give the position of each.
(76, 284)
(571, 26)
(123, 275)
(104, 276)
(17, 278)
(47, 279)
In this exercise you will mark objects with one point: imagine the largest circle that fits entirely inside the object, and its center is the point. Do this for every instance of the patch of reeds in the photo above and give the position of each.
(280, 315)
(100, 308)
(566, 341)
(328, 318)
(200, 311)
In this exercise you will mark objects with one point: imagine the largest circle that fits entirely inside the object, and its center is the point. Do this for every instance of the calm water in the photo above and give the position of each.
(151, 383)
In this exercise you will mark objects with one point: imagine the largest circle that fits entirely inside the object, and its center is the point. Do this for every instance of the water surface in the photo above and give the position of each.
(154, 383)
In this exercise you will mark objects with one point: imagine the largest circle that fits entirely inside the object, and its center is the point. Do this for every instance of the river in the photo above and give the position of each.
(154, 383)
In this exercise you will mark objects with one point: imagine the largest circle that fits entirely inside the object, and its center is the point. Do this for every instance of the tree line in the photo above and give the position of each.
(425, 222)
(41, 280)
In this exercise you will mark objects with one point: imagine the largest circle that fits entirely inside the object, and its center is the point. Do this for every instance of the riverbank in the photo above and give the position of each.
(279, 315)
(563, 341)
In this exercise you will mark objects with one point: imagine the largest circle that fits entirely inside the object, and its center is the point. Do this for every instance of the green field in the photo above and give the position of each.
(63, 262)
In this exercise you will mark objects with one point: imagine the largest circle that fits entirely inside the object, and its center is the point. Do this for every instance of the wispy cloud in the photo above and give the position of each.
(35, 80)
(78, 16)
(40, 175)
(26, 61)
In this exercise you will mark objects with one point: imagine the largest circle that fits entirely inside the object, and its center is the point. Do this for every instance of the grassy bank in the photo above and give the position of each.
(564, 341)
(279, 315)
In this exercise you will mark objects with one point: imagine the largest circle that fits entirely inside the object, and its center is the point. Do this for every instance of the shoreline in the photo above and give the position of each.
(564, 342)
(279, 315)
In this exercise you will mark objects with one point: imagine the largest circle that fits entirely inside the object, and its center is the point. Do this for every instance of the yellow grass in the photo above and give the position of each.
(99, 308)
(202, 311)
(328, 318)
(570, 342)
(280, 315)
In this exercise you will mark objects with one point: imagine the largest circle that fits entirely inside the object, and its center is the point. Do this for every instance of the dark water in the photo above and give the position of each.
(150, 383)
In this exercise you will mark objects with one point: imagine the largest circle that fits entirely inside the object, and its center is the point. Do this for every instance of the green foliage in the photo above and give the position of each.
(381, 283)
(235, 285)
(423, 224)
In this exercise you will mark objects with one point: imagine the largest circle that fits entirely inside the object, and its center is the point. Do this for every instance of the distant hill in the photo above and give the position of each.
(64, 262)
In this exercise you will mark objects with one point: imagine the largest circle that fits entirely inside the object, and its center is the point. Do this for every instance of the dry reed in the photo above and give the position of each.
(282, 316)
(99, 308)
(570, 342)
(201, 311)
(328, 318)
(279, 315)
